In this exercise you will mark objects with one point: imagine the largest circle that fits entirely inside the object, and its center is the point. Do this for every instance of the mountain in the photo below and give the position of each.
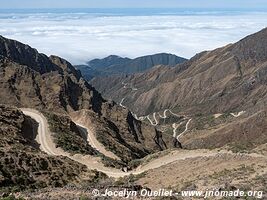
(51, 85)
(118, 65)
(30, 79)
(231, 79)
(102, 64)
(211, 82)
(213, 105)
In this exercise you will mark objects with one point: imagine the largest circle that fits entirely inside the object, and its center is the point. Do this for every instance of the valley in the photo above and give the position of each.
(46, 144)
(169, 123)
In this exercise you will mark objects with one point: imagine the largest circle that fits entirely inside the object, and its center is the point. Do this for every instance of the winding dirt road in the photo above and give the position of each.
(217, 115)
(238, 114)
(151, 122)
(44, 138)
(122, 102)
(186, 128)
(154, 121)
(174, 126)
(93, 142)
(164, 116)
(44, 141)
(142, 118)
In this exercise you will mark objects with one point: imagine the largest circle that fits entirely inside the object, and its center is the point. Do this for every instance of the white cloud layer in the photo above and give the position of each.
(79, 37)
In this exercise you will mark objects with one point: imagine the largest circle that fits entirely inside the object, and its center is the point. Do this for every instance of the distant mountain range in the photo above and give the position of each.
(117, 65)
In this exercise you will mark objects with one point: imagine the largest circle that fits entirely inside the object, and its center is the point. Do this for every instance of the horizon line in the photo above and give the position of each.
(202, 8)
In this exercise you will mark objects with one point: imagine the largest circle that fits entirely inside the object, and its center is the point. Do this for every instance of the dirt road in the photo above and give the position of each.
(44, 138)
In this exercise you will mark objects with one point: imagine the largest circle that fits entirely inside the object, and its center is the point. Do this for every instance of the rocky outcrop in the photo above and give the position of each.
(25, 55)
(24, 87)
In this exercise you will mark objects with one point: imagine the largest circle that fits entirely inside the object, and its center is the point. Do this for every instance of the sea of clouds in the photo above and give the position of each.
(79, 37)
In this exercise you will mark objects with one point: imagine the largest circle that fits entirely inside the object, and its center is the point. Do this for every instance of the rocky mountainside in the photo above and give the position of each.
(228, 79)
(216, 100)
(22, 164)
(223, 92)
(118, 65)
(51, 84)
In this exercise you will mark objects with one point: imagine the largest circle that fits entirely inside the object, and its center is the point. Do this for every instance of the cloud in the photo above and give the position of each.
(79, 37)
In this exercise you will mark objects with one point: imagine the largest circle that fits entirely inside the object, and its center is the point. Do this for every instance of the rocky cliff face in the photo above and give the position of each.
(25, 55)
(25, 87)
(33, 80)
(116, 65)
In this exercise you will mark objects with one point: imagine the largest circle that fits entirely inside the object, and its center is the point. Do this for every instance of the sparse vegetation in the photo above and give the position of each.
(150, 157)
(131, 179)
(126, 154)
(22, 167)
(236, 172)
(204, 122)
(109, 162)
(240, 147)
(67, 136)
(97, 176)
(135, 163)
(84, 198)
(11, 197)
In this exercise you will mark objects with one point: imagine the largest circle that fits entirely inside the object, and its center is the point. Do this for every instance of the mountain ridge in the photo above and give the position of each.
(117, 65)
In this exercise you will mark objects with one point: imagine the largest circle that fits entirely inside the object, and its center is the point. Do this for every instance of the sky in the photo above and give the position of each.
(81, 35)
(250, 4)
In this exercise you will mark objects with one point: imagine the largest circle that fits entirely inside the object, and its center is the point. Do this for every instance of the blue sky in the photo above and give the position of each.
(134, 3)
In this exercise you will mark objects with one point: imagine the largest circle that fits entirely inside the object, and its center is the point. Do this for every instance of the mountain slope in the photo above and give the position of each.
(53, 85)
(231, 78)
(22, 165)
(223, 92)
(117, 65)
